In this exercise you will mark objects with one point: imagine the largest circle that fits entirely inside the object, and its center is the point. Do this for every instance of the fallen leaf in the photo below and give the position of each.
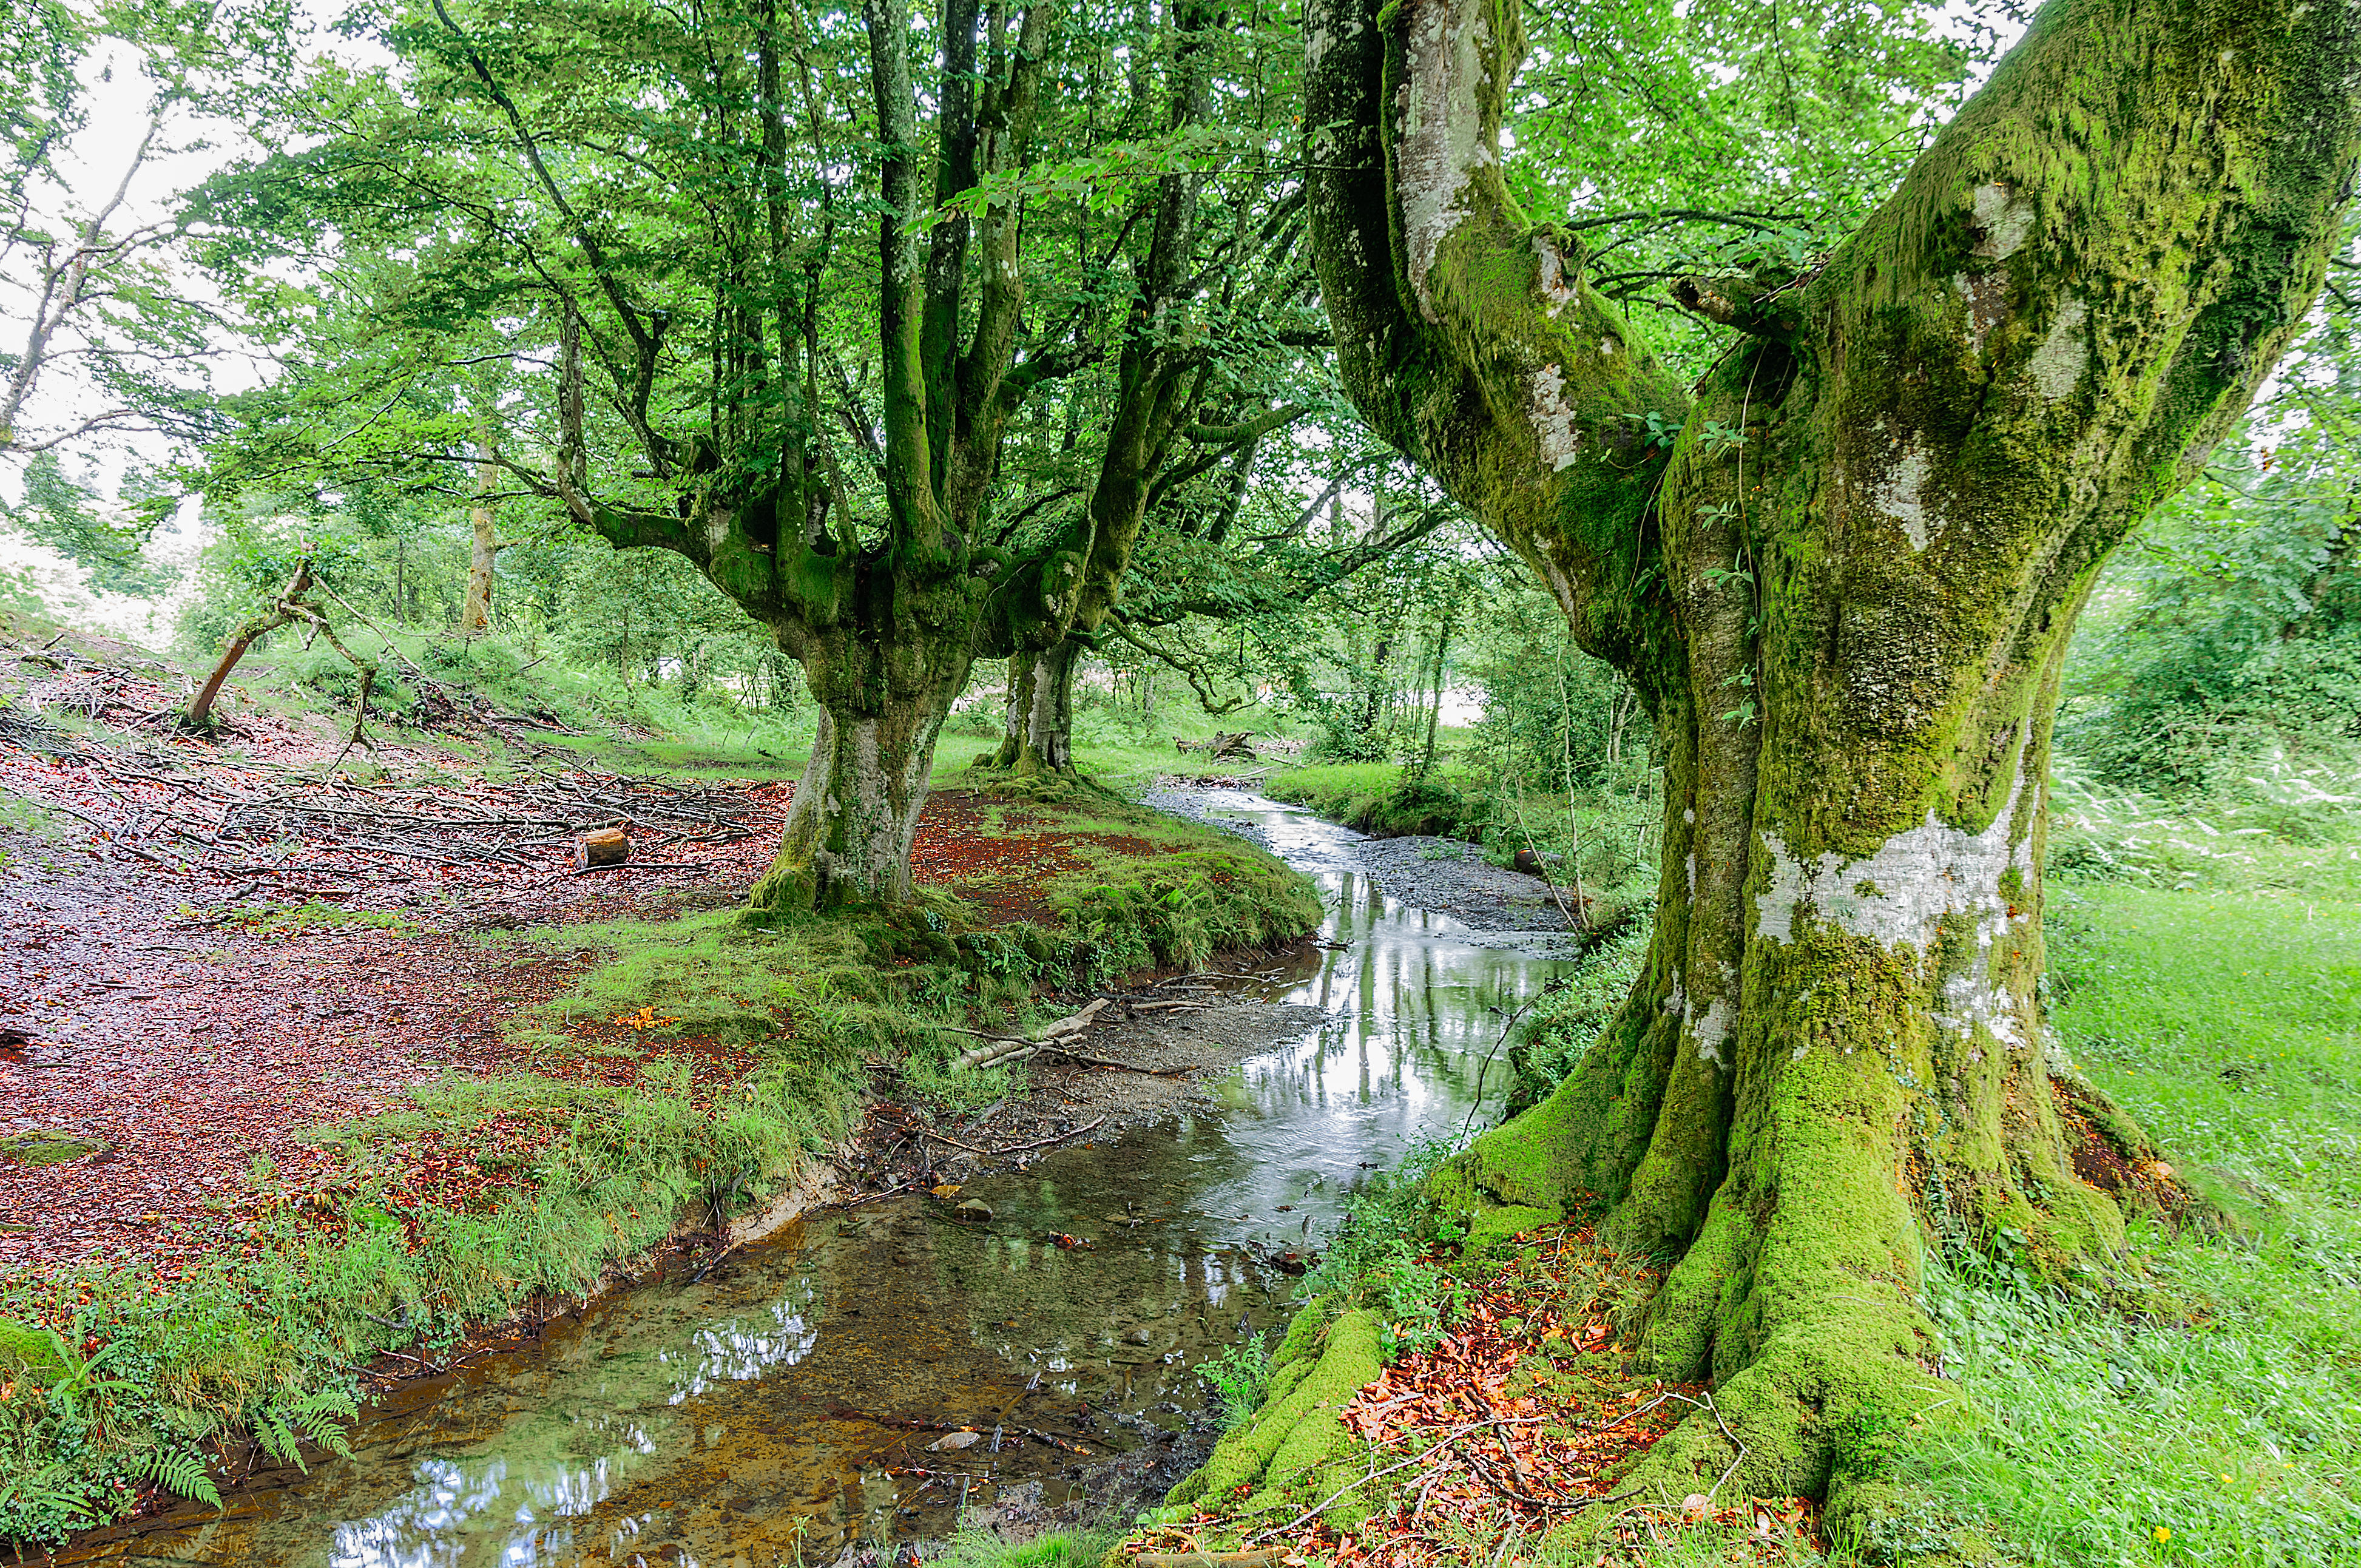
(956, 1440)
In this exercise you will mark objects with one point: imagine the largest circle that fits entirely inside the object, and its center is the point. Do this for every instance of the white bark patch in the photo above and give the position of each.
(2003, 217)
(1677, 1002)
(1441, 142)
(2057, 365)
(1901, 893)
(1692, 868)
(1556, 428)
(1901, 497)
(1555, 285)
(1905, 890)
(1711, 1030)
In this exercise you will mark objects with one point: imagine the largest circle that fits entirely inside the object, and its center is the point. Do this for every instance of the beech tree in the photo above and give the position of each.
(802, 296)
(1843, 589)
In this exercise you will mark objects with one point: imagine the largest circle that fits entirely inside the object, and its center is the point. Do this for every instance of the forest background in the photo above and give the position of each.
(333, 347)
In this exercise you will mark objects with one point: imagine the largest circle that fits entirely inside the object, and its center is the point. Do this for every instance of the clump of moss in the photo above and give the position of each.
(48, 1148)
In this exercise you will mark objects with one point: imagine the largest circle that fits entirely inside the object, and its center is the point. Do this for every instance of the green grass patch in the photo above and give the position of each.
(300, 919)
(1378, 798)
(2224, 1427)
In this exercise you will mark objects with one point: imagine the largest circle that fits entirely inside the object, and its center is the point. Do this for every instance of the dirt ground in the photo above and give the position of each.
(225, 947)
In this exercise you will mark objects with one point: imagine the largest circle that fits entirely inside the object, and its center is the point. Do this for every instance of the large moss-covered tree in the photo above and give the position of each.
(1844, 589)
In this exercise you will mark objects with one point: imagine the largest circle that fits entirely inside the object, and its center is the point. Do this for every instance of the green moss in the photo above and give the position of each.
(47, 1148)
(1295, 1452)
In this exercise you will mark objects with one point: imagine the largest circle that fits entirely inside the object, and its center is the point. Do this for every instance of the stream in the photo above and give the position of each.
(744, 1422)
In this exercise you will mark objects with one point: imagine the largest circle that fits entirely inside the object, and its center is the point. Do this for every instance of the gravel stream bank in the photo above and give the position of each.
(1443, 874)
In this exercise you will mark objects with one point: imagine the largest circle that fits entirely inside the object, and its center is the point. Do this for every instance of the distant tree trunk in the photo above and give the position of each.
(1018, 720)
(1038, 735)
(476, 614)
(1049, 736)
(1845, 597)
(1434, 712)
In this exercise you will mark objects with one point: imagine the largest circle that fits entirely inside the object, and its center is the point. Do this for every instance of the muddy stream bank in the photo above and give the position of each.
(790, 1407)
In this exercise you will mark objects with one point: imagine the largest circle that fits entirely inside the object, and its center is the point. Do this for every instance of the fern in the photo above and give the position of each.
(322, 1415)
(317, 1418)
(278, 1438)
(179, 1472)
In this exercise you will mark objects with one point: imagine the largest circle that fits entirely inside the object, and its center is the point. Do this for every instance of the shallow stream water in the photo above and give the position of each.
(748, 1421)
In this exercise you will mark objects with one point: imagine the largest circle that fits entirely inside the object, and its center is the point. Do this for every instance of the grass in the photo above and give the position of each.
(46, 1148)
(300, 919)
(2224, 1427)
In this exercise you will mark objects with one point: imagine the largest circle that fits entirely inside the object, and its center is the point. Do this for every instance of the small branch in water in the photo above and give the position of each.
(1060, 1138)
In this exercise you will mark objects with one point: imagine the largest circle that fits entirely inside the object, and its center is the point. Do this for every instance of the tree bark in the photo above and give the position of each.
(1019, 718)
(201, 704)
(476, 613)
(855, 815)
(1039, 731)
(1845, 597)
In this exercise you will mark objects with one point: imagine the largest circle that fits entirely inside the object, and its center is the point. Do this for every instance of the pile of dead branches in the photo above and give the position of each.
(163, 805)
(487, 823)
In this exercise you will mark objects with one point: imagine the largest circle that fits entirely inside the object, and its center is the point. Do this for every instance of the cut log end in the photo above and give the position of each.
(607, 847)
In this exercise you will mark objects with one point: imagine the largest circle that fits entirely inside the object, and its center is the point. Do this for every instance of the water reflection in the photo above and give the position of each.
(782, 1408)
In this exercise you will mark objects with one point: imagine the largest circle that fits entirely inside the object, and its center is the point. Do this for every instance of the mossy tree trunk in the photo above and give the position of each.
(483, 547)
(1845, 593)
(1041, 738)
(886, 628)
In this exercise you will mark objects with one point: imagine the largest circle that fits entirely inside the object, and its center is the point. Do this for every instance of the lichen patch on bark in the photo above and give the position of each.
(1904, 892)
(2057, 367)
(1902, 495)
(1442, 140)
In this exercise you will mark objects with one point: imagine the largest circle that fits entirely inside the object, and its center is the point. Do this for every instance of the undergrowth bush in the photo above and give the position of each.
(1240, 1375)
(1381, 1254)
(1565, 1020)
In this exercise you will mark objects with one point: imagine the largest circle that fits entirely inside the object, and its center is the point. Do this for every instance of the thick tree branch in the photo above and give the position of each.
(1467, 337)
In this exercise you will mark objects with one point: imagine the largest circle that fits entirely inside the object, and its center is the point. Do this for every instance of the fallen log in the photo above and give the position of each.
(1064, 1028)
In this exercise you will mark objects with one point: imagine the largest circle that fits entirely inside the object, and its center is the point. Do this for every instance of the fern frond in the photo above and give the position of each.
(179, 1472)
(321, 1416)
(278, 1439)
